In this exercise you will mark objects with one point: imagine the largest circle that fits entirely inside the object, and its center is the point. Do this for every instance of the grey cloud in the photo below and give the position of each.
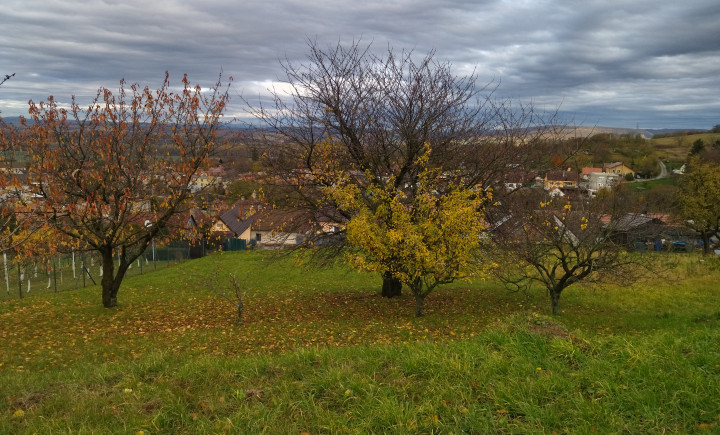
(608, 62)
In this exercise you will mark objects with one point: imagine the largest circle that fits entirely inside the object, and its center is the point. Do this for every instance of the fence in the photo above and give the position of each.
(82, 269)
(62, 272)
(232, 244)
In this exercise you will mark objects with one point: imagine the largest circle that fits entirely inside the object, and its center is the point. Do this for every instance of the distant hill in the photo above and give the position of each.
(673, 130)
(14, 120)
(580, 131)
(647, 133)
(583, 131)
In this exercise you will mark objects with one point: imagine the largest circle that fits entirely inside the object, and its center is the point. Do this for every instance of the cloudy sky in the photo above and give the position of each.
(619, 63)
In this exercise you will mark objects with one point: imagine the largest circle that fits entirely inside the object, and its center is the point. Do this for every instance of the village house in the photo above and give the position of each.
(517, 178)
(16, 169)
(235, 221)
(561, 179)
(255, 224)
(585, 174)
(278, 228)
(602, 180)
(618, 168)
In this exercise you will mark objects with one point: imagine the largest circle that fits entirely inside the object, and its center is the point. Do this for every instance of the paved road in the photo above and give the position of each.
(663, 171)
(663, 174)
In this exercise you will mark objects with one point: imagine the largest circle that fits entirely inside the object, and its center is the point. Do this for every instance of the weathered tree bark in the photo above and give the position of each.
(419, 305)
(111, 281)
(555, 299)
(109, 294)
(391, 286)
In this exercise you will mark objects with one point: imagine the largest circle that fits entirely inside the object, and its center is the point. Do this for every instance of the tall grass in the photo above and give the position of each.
(320, 352)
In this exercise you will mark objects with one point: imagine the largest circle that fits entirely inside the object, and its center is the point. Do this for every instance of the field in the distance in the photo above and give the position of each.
(321, 352)
(676, 149)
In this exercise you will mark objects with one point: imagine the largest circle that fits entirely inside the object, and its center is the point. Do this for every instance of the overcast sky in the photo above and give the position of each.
(622, 63)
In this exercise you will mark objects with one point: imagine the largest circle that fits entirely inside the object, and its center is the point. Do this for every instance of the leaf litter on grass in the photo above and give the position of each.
(45, 334)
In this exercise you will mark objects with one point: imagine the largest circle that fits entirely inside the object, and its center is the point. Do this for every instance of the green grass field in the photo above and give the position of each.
(650, 184)
(319, 351)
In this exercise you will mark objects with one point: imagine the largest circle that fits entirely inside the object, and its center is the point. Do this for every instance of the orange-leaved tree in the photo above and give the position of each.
(16, 221)
(113, 174)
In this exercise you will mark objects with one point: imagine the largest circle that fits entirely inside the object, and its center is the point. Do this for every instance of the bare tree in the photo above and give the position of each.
(235, 298)
(559, 243)
(363, 117)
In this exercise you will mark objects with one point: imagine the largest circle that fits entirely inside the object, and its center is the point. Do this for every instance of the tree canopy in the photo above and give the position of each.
(111, 176)
(562, 244)
(422, 237)
(699, 199)
(364, 117)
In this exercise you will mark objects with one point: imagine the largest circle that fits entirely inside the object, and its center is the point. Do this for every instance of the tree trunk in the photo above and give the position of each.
(419, 304)
(109, 295)
(706, 243)
(110, 280)
(391, 286)
(555, 299)
(239, 310)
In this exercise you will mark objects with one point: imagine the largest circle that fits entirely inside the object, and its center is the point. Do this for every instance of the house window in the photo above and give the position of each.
(258, 236)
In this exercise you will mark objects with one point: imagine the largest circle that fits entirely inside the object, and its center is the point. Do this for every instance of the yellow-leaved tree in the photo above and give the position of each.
(423, 236)
(367, 114)
(699, 200)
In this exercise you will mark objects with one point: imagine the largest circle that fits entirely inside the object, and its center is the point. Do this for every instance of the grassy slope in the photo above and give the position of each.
(320, 352)
(676, 149)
